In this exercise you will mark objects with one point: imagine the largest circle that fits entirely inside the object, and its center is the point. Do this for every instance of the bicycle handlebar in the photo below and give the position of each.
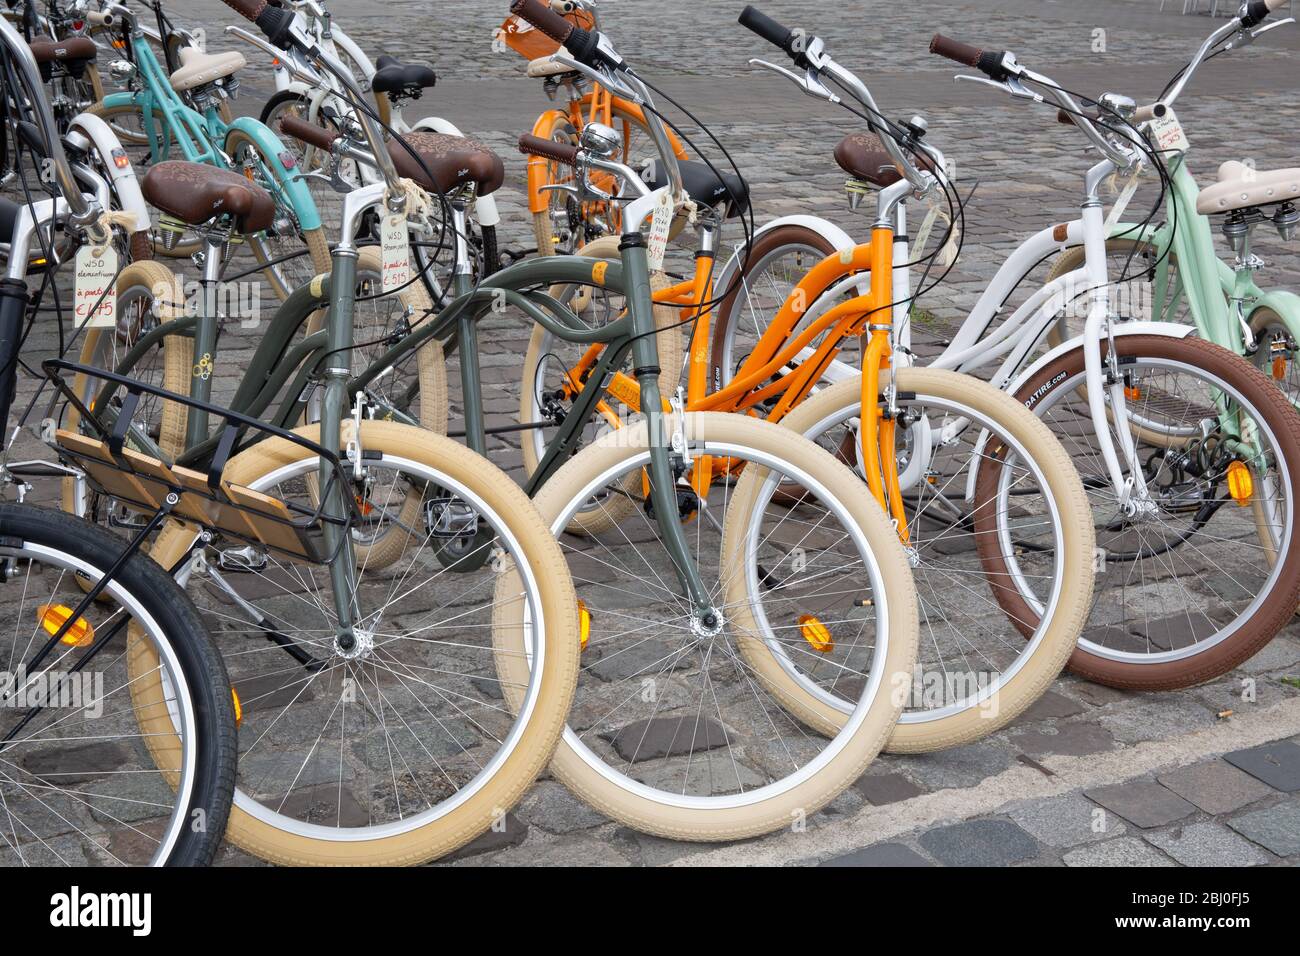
(583, 45)
(991, 64)
(565, 153)
(309, 133)
(756, 21)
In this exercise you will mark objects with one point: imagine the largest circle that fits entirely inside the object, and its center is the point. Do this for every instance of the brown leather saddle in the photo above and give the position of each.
(454, 161)
(195, 193)
(72, 54)
(863, 156)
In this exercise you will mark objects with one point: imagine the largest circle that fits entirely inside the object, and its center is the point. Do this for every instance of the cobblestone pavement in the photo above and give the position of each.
(1090, 776)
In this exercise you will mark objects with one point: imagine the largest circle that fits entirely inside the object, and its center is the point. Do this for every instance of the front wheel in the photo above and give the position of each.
(397, 748)
(673, 732)
(1200, 573)
(994, 505)
(82, 785)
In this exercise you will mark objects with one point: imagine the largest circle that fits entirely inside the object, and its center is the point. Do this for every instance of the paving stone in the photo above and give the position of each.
(1277, 828)
(512, 833)
(1277, 764)
(1050, 706)
(885, 788)
(979, 843)
(880, 854)
(325, 805)
(1067, 821)
(1156, 719)
(1278, 654)
(1179, 630)
(1207, 844)
(76, 763)
(667, 737)
(1143, 803)
(551, 807)
(1214, 786)
(1069, 740)
(960, 767)
(646, 659)
(1124, 852)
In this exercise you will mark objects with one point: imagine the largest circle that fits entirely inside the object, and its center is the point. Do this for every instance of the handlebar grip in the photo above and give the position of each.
(308, 133)
(1257, 11)
(954, 50)
(544, 18)
(251, 9)
(565, 153)
(755, 20)
(1144, 114)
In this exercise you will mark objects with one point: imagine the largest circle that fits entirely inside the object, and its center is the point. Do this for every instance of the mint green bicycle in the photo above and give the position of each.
(1184, 280)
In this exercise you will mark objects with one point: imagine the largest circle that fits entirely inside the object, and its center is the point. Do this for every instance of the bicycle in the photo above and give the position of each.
(1202, 434)
(561, 222)
(77, 787)
(1222, 300)
(177, 108)
(1005, 675)
(306, 95)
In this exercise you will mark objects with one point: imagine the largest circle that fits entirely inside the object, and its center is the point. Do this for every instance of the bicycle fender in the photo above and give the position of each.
(1286, 305)
(101, 136)
(295, 189)
(832, 233)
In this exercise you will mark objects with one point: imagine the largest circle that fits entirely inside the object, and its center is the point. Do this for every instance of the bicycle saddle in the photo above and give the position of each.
(453, 161)
(1241, 186)
(542, 67)
(199, 68)
(72, 50)
(195, 193)
(393, 76)
(703, 185)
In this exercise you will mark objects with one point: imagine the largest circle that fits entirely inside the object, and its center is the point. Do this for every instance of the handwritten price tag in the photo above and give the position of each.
(396, 247)
(95, 296)
(660, 224)
(1169, 133)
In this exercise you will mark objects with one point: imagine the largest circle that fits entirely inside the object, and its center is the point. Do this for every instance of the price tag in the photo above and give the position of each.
(660, 225)
(96, 288)
(396, 252)
(1169, 133)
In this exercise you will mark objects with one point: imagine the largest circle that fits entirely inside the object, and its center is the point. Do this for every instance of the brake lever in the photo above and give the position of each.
(1011, 85)
(1276, 23)
(809, 83)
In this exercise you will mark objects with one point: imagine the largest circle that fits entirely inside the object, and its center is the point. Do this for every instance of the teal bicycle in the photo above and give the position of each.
(180, 110)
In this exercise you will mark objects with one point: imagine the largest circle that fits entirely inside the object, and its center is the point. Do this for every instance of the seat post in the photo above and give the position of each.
(205, 331)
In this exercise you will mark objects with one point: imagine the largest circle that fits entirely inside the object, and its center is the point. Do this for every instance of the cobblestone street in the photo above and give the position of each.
(1090, 776)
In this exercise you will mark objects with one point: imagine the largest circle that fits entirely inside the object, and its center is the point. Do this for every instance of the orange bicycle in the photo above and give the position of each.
(985, 500)
(562, 221)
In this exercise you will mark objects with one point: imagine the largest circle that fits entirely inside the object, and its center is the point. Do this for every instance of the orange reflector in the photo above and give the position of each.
(584, 624)
(1279, 368)
(1240, 485)
(816, 634)
(119, 44)
(54, 616)
(1133, 393)
(239, 708)
(365, 507)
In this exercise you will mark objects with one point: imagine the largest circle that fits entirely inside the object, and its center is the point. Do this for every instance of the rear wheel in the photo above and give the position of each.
(1203, 576)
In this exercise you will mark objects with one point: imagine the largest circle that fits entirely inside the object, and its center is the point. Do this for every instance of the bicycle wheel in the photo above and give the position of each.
(989, 494)
(147, 294)
(78, 785)
(399, 749)
(289, 256)
(777, 262)
(549, 386)
(672, 732)
(1203, 577)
